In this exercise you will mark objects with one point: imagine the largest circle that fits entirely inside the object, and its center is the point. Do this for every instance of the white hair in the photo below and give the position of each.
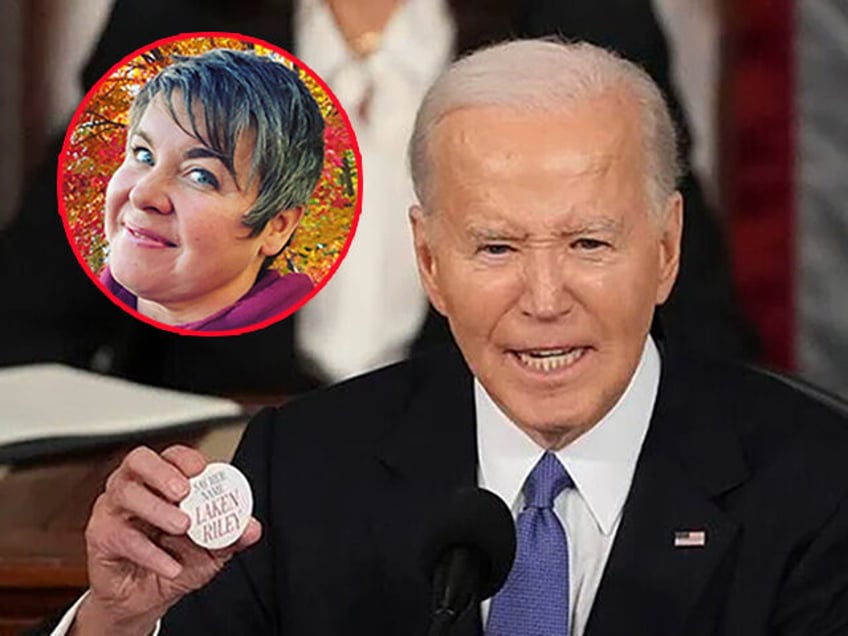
(545, 76)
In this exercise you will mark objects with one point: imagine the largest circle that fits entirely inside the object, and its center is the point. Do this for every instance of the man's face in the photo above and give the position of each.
(173, 219)
(540, 248)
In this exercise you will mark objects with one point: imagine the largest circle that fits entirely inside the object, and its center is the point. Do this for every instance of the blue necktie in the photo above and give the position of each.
(534, 600)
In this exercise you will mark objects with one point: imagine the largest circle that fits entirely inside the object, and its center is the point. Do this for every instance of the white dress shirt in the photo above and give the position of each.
(369, 313)
(600, 462)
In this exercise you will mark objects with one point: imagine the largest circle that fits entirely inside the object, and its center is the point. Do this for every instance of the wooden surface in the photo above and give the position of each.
(43, 511)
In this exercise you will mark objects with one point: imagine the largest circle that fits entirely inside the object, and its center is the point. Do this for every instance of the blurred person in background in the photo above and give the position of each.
(822, 193)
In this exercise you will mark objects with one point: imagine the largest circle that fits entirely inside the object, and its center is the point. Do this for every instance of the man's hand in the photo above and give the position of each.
(140, 560)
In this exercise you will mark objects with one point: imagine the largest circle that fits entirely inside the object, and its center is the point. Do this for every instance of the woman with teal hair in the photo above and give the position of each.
(223, 152)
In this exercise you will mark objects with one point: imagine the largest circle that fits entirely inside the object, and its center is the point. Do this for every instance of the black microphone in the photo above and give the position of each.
(468, 554)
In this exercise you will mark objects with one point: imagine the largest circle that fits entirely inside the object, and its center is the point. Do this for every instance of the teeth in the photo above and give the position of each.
(551, 360)
(549, 354)
(141, 236)
(149, 238)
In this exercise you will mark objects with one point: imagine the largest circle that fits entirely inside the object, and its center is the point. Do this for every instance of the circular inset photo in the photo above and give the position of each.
(209, 184)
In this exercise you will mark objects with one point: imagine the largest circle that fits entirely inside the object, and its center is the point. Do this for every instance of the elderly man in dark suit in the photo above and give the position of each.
(654, 493)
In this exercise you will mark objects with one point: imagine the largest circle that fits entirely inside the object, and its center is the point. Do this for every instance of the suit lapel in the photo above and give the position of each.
(691, 456)
(428, 454)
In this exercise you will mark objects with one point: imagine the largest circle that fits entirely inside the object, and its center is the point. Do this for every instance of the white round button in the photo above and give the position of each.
(220, 504)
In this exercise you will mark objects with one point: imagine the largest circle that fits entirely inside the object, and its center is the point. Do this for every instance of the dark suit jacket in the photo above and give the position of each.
(346, 480)
(55, 313)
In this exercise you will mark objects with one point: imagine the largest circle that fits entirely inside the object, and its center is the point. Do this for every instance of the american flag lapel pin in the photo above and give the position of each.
(690, 538)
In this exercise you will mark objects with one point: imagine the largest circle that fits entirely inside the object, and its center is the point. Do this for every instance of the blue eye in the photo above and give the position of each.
(590, 244)
(495, 249)
(203, 177)
(143, 155)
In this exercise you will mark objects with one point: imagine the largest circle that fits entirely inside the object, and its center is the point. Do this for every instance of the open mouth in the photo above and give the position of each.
(146, 237)
(549, 360)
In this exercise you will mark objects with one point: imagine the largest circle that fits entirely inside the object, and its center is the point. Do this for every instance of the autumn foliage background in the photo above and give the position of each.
(96, 141)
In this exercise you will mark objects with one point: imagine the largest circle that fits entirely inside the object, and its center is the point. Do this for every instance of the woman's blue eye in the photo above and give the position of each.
(143, 155)
(203, 177)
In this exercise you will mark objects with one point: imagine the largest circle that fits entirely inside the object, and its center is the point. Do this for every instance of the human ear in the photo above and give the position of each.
(671, 231)
(428, 267)
(278, 231)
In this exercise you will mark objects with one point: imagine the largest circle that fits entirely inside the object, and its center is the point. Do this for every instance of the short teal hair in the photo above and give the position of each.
(242, 92)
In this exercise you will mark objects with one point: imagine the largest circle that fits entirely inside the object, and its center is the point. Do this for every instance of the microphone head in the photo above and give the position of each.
(479, 521)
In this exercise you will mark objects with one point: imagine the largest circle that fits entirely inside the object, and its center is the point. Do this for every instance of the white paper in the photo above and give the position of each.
(42, 401)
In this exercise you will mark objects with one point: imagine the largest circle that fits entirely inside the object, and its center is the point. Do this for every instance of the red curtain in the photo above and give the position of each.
(758, 166)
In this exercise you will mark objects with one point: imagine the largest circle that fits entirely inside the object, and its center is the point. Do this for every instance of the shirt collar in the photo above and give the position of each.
(418, 38)
(601, 462)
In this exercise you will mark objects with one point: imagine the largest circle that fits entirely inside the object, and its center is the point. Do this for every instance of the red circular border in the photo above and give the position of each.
(269, 321)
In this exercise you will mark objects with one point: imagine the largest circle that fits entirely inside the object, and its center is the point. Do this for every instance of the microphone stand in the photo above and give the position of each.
(442, 621)
(457, 579)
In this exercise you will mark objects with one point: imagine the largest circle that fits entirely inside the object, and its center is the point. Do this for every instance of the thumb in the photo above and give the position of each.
(199, 565)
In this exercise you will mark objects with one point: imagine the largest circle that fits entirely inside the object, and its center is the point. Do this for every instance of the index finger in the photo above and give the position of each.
(154, 470)
(190, 461)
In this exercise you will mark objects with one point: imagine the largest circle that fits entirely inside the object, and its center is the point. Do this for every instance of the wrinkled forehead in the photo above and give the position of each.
(493, 146)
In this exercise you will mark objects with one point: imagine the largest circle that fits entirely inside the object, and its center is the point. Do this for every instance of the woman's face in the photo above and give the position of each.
(173, 220)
